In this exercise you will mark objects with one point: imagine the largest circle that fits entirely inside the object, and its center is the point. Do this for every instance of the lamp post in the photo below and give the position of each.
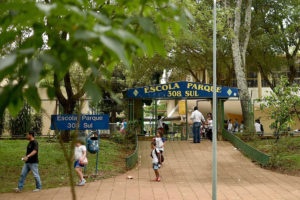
(214, 169)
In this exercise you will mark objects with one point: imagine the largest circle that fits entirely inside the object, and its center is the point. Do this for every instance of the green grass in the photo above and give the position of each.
(285, 155)
(52, 165)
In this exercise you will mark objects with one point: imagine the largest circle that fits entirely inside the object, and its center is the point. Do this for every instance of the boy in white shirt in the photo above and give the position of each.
(156, 159)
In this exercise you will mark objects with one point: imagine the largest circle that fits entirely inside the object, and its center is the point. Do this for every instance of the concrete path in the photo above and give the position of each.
(186, 174)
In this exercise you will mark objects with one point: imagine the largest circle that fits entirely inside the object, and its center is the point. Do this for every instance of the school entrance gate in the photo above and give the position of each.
(182, 90)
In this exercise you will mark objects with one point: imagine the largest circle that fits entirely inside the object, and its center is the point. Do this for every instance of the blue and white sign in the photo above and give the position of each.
(68, 122)
(181, 89)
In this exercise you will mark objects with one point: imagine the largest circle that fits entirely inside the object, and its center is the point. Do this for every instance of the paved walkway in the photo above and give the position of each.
(186, 175)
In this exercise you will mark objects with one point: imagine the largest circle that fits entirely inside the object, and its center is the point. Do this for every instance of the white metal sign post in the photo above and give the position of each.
(214, 170)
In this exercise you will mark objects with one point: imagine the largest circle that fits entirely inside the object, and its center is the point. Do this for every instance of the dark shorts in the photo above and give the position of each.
(155, 166)
(76, 164)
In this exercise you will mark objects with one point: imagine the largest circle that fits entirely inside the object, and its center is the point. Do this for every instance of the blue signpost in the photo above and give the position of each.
(86, 122)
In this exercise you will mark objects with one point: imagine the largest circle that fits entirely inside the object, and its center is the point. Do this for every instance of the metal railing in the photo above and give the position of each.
(132, 159)
(248, 150)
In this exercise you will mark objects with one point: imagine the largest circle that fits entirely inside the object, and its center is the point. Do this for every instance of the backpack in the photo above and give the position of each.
(261, 128)
(162, 157)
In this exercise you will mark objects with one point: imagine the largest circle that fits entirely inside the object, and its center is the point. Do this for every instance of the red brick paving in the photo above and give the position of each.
(186, 175)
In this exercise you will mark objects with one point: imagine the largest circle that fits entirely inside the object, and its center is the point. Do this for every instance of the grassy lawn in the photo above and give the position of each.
(52, 166)
(285, 155)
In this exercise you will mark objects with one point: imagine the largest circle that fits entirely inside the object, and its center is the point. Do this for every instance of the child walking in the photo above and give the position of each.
(80, 161)
(156, 159)
(160, 143)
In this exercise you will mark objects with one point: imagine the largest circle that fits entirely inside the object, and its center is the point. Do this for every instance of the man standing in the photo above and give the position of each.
(160, 125)
(31, 163)
(197, 119)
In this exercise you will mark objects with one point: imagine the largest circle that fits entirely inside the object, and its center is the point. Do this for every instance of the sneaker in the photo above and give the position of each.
(36, 190)
(158, 179)
(81, 183)
(17, 190)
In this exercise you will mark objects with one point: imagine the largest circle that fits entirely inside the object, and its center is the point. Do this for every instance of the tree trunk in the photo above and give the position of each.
(68, 103)
(239, 59)
(113, 116)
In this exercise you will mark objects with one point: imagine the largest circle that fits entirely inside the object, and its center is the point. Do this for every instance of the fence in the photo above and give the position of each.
(248, 150)
(175, 132)
(132, 159)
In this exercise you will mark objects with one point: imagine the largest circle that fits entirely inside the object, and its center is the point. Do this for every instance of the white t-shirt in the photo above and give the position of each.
(197, 116)
(159, 144)
(154, 156)
(160, 123)
(257, 127)
(229, 127)
(210, 124)
(78, 152)
(241, 128)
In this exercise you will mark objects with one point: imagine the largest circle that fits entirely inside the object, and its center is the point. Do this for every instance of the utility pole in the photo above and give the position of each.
(214, 170)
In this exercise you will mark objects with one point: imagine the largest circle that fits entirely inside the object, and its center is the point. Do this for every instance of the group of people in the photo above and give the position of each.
(235, 126)
(32, 162)
(198, 121)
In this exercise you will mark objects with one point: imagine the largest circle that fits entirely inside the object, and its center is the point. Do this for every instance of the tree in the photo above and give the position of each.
(21, 124)
(112, 100)
(57, 34)
(275, 40)
(191, 51)
(282, 105)
(239, 44)
(39, 37)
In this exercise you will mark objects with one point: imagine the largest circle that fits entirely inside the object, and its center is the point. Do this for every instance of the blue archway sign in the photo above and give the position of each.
(87, 122)
(182, 89)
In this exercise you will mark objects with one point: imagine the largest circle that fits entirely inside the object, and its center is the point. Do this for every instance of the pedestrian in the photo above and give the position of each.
(197, 119)
(258, 127)
(242, 127)
(31, 163)
(80, 160)
(230, 127)
(236, 126)
(160, 143)
(160, 123)
(156, 160)
(210, 126)
(166, 128)
(123, 126)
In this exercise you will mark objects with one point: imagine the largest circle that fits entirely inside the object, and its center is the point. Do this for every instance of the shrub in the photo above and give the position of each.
(130, 136)
(37, 124)
(118, 137)
(20, 125)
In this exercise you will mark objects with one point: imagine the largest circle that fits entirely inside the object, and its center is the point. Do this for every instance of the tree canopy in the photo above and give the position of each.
(38, 37)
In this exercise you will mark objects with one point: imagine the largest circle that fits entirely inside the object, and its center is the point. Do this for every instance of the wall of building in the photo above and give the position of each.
(48, 108)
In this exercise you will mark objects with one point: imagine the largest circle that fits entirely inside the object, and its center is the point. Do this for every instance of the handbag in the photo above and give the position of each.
(84, 162)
